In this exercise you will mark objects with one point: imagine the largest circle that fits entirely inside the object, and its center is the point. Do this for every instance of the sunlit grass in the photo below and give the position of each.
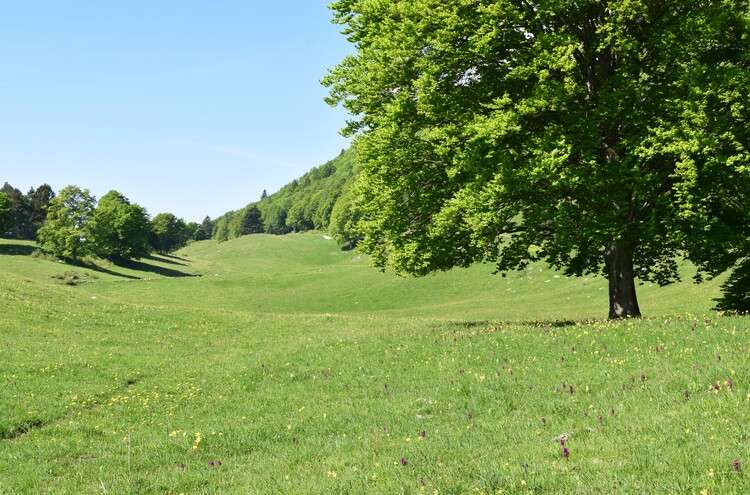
(138, 387)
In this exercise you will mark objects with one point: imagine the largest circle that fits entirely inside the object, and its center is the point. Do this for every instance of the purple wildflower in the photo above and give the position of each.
(403, 462)
(565, 453)
(686, 394)
(544, 421)
(210, 463)
(730, 384)
(423, 434)
(736, 465)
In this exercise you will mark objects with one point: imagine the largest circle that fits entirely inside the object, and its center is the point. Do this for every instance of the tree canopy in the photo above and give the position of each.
(64, 234)
(168, 233)
(599, 136)
(119, 230)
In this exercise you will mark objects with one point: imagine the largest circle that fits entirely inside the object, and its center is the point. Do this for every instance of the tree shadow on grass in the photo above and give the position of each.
(155, 269)
(169, 259)
(137, 266)
(16, 249)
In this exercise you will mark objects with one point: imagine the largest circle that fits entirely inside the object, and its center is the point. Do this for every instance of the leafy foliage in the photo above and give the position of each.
(736, 290)
(119, 230)
(168, 233)
(597, 136)
(68, 214)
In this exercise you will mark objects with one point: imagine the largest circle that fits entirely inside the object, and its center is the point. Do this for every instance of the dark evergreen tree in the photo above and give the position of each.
(22, 227)
(252, 221)
(38, 200)
(208, 227)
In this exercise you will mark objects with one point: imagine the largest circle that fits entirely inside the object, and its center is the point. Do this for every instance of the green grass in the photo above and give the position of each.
(303, 370)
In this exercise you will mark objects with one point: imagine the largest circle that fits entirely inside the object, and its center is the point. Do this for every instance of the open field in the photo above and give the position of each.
(302, 370)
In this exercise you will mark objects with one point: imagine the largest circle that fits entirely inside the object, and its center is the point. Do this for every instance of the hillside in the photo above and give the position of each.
(304, 204)
(308, 274)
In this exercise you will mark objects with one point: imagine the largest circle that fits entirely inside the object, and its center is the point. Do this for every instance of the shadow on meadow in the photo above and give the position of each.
(163, 271)
(140, 266)
(170, 259)
(16, 250)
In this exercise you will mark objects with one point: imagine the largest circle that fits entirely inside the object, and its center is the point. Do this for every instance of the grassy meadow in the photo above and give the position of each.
(280, 364)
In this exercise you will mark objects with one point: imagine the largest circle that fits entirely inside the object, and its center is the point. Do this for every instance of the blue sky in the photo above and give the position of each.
(189, 107)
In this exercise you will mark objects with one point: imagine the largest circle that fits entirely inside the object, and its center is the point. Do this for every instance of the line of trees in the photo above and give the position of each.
(21, 215)
(73, 225)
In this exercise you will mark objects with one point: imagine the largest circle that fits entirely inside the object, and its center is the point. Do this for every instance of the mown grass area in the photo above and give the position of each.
(301, 370)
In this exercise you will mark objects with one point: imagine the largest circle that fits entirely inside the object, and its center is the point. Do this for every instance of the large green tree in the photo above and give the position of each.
(64, 234)
(119, 230)
(600, 136)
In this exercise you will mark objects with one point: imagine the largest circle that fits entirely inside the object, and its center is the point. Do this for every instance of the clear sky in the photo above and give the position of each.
(191, 107)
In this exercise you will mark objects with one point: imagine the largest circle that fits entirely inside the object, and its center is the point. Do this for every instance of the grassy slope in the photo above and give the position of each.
(306, 273)
(304, 371)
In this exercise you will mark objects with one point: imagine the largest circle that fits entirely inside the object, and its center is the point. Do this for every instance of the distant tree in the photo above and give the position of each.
(208, 227)
(195, 231)
(118, 230)
(274, 221)
(168, 233)
(264, 195)
(22, 224)
(6, 214)
(296, 219)
(252, 221)
(221, 228)
(345, 217)
(38, 200)
(64, 233)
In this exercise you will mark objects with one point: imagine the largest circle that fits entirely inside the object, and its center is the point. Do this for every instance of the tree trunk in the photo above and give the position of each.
(618, 257)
